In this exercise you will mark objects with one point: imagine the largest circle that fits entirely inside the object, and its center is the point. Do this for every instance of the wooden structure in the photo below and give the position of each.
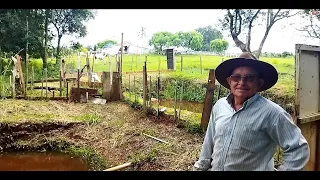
(207, 106)
(18, 83)
(307, 99)
(83, 94)
(171, 64)
(111, 86)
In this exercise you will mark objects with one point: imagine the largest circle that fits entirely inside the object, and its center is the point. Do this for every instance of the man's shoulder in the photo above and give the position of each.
(269, 104)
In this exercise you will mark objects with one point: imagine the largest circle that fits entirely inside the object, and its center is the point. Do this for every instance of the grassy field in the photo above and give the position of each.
(191, 67)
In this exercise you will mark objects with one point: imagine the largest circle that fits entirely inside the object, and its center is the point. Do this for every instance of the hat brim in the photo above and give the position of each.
(267, 72)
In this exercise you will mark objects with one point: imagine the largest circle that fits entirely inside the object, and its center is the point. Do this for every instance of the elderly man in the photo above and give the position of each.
(245, 128)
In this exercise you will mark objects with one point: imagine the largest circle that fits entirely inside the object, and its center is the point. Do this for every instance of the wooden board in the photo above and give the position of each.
(207, 107)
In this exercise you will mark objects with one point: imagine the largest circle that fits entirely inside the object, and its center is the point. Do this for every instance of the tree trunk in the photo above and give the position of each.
(263, 41)
(45, 60)
(58, 50)
(239, 43)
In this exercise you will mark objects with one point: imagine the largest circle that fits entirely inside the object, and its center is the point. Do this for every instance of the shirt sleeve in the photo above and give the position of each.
(204, 162)
(295, 147)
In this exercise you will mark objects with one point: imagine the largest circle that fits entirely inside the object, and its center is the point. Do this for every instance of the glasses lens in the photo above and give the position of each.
(235, 78)
(250, 78)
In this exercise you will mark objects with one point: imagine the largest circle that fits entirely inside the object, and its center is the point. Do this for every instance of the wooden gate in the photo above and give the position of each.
(307, 99)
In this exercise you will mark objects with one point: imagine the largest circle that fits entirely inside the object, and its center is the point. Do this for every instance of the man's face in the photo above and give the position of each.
(244, 82)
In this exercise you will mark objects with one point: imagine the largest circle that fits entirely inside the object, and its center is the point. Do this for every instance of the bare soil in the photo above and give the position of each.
(114, 130)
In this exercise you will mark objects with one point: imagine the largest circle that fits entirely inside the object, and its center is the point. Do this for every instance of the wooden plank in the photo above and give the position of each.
(88, 70)
(207, 107)
(115, 93)
(309, 131)
(309, 82)
(145, 86)
(106, 86)
(309, 118)
(317, 165)
(305, 47)
(53, 80)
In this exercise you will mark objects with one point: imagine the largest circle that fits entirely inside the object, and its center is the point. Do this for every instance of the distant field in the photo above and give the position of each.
(191, 67)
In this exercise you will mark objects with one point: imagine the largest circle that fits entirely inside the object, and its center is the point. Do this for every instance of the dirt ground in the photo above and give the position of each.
(114, 130)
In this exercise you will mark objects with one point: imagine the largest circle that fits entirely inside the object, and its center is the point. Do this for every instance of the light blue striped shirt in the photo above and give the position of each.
(247, 140)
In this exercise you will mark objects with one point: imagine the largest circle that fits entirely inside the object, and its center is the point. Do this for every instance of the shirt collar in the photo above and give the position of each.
(246, 103)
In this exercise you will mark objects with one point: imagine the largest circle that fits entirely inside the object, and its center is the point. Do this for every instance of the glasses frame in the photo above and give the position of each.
(243, 78)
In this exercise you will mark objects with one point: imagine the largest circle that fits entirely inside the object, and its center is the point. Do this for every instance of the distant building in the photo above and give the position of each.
(128, 48)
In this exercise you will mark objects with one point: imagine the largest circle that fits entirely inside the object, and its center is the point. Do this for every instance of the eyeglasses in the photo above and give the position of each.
(247, 78)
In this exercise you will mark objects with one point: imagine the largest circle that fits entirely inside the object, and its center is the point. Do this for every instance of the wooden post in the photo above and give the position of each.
(78, 80)
(20, 82)
(110, 64)
(89, 71)
(115, 87)
(93, 59)
(120, 74)
(150, 92)
(67, 93)
(87, 97)
(27, 43)
(14, 74)
(116, 63)
(129, 87)
(60, 81)
(181, 95)
(207, 106)
(63, 68)
(145, 86)
(106, 85)
(26, 81)
(175, 102)
(42, 83)
(32, 79)
(121, 58)
(158, 95)
(134, 88)
(46, 79)
(12, 90)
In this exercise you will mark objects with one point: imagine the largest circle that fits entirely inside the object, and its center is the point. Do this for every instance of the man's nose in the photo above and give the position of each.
(242, 81)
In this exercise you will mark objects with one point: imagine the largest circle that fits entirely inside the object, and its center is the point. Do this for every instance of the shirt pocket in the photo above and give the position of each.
(249, 139)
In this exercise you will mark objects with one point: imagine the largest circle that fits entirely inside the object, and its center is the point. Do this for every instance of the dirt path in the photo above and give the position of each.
(116, 133)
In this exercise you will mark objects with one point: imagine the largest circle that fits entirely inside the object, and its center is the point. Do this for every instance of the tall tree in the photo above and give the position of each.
(70, 22)
(209, 33)
(105, 42)
(191, 40)
(219, 46)
(311, 24)
(239, 19)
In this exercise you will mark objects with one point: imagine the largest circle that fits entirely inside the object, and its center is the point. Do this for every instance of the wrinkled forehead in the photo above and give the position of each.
(245, 70)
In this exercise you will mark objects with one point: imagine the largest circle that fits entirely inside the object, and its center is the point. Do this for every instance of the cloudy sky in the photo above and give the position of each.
(110, 23)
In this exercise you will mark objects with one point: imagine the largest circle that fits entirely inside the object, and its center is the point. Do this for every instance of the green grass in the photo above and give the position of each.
(194, 74)
(191, 67)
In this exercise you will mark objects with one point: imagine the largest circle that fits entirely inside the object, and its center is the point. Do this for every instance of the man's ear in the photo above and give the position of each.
(229, 81)
(260, 83)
